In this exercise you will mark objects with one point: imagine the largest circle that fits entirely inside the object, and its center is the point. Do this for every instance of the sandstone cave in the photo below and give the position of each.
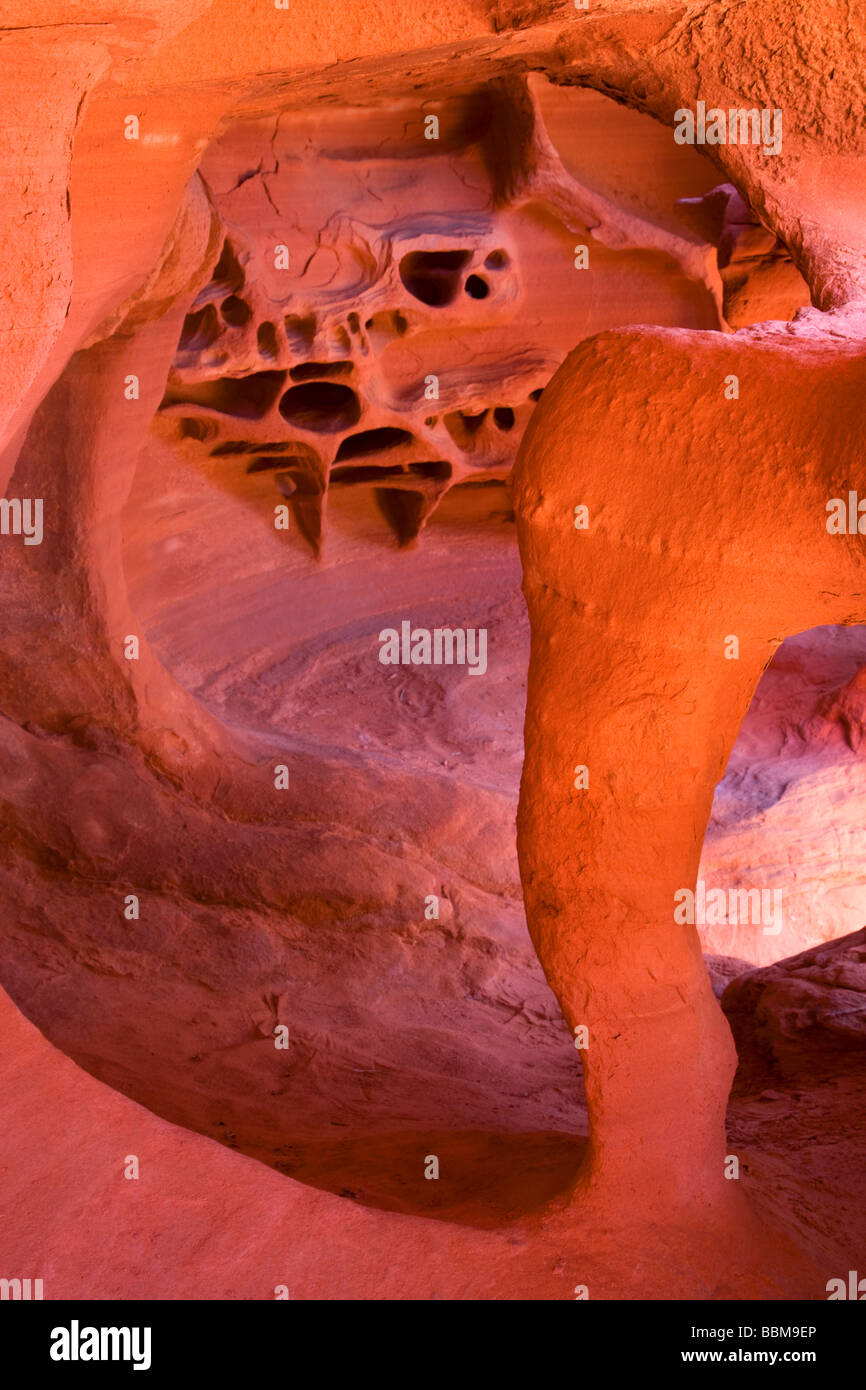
(317, 332)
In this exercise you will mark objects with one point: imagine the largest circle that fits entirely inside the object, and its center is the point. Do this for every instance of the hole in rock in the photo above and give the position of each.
(503, 417)
(300, 330)
(365, 473)
(402, 510)
(536, 394)
(200, 329)
(472, 423)
(246, 397)
(481, 482)
(190, 428)
(371, 473)
(236, 311)
(246, 446)
(496, 260)
(802, 738)
(304, 491)
(438, 470)
(322, 406)
(780, 901)
(463, 427)
(307, 371)
(228, 273)
(266, 337)
(477, 288)
(300, 481)
(433, 276)
(264, 463)
(372, 442)
(383, 328)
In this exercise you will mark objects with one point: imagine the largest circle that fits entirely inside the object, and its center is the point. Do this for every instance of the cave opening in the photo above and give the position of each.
(362, 335)
(319, 671)
(323, 406)
(795, 762)
(780, 905)
(433, 277)
(290, 659)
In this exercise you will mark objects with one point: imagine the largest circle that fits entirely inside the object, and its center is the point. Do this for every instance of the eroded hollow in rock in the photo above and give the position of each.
(266, 337)
(244, 398)
(434, 277)
(200, 329)
(447, 302)
(236, 311)
(309, 371)
(371, 442)
(322, 406)
(477, 287)
(228, 275)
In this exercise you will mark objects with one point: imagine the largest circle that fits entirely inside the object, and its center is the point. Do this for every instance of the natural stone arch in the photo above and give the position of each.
(130, 726)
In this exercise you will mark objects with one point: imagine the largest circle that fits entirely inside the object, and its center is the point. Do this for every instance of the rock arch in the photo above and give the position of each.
(627, 675)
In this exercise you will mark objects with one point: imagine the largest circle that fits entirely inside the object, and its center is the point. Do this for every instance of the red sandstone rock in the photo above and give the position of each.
(153, 258)
(804, 1016)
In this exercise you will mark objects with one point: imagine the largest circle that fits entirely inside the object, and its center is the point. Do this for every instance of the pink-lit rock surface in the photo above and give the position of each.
(326, 310)
(204, 1223)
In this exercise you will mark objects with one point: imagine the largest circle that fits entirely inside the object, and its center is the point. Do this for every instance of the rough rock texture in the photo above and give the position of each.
(153, 259)
(722, 970)
(804, 1016)
(402, 344)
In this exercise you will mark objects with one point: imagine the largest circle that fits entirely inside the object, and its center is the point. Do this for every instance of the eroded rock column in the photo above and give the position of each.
(671, 496)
